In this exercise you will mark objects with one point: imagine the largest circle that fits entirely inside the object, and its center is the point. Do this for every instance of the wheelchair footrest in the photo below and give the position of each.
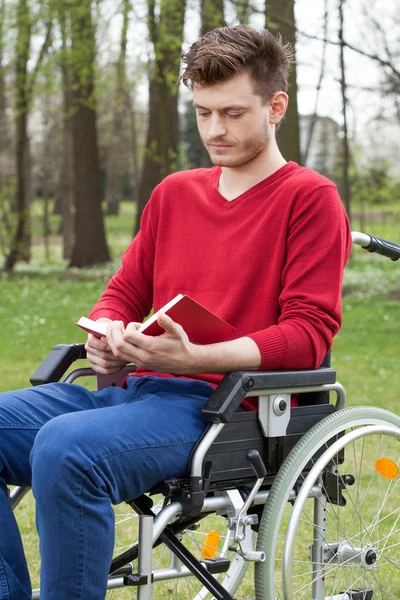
(216, 565)
(213, 566)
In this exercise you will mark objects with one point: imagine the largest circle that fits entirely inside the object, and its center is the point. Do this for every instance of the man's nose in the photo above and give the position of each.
(217, 127)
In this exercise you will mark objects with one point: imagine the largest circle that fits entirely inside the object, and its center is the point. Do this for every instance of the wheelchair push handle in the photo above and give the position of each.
(374, 244)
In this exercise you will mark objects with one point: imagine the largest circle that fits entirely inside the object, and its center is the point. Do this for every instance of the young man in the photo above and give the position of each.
(259, 241)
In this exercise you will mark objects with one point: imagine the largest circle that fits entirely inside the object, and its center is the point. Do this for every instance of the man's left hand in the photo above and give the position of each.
(171, 352)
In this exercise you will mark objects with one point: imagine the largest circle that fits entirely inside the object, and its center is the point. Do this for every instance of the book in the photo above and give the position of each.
(201, 325)
(96, 328)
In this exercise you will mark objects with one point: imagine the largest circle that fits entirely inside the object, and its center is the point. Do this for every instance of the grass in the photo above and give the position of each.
(40, 302)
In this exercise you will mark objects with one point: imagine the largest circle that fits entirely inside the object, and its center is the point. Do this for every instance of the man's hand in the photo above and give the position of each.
(100, 356)
(171, 352)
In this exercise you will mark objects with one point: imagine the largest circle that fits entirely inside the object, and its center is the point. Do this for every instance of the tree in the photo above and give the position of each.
(212, 15)
(90, 245)
(20, 245)
(162, 146)
(3, 117)
(116, 167)
(346, 147)
(67, 191)
(279, 15)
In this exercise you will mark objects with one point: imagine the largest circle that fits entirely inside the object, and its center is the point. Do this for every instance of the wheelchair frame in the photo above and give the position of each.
(282, 446)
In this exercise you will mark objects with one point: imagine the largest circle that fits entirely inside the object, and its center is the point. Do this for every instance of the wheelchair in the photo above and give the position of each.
(301, 493)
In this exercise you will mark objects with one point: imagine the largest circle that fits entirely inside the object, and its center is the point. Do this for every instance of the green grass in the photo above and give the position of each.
(40, 302)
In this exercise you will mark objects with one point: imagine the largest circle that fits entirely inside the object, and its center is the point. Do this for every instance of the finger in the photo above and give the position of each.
(132, 328)
(119, 347)
(96, 343)
(170, 326)
(108, 370)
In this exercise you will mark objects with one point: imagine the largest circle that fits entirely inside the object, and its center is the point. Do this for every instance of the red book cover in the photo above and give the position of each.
(201, 325)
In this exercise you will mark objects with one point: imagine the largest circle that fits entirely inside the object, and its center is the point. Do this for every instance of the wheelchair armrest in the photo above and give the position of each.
(56, 363)
(235, 386)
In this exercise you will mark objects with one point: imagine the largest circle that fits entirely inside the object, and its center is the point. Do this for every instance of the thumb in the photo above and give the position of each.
(169, 325)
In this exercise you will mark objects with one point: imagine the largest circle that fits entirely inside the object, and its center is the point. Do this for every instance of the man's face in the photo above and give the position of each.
(233, 121)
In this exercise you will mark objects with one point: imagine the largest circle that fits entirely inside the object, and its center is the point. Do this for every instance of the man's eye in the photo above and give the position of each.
(203, 114)
(234, 115)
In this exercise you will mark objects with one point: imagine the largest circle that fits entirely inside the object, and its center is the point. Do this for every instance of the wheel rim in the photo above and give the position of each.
(273, 527)
(355, 546)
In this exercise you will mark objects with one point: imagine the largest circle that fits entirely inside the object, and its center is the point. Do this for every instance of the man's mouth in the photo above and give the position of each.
(220, 146)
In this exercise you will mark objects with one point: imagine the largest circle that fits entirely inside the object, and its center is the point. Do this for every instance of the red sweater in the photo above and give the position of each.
(269, 262)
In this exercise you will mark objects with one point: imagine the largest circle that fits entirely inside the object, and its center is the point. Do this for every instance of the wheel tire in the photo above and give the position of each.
(273, 519)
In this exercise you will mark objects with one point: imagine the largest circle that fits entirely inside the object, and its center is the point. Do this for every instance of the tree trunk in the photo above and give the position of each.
(90, 245)
(67, 171)
(21, 236)
(346, 148)
(212, 15)
(281, 14)
(116, 164)
(162, 147)
(3, 121)
(310, 132)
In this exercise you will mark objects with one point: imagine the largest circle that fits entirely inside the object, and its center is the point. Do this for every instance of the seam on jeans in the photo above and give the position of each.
(4, 583)
(147, 447)
(81, 542)
(19, 426)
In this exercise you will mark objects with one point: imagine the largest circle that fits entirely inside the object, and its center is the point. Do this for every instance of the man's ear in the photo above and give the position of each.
(278, 105)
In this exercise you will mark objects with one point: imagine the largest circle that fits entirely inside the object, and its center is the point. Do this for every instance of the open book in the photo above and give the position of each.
(201, 325)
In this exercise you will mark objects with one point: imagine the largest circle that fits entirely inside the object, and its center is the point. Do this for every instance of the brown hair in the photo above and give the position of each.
(229, 51)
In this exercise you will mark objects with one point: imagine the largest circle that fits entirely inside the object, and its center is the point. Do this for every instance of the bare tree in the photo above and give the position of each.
(280, 14)
(318, 89)
(343, 87)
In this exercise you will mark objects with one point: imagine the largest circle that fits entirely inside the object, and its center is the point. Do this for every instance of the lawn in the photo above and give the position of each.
(40, 302)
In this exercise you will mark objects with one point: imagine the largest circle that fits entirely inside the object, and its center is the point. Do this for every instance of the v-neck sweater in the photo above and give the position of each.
(270, 262)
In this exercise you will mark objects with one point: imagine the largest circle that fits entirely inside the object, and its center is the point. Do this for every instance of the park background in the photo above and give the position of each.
(92, 118)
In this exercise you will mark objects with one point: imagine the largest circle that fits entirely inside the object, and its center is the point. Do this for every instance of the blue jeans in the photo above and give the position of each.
(82, 452)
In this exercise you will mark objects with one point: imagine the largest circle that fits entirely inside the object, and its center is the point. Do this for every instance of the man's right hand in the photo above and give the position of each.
(99, 355)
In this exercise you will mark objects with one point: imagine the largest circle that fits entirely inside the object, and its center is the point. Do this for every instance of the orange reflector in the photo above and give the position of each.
(210, 544)
(387, 468)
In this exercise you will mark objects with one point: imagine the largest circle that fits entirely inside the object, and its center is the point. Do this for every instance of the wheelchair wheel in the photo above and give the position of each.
(208, 538)
(340, 538)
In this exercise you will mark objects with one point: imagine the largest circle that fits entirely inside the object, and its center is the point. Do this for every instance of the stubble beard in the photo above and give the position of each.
(244, 153)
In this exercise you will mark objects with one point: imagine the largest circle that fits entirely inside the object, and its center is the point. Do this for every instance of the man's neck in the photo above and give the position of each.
(236, 181)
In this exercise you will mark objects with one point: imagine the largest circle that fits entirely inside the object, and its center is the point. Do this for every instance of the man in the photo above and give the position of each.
(259, 241)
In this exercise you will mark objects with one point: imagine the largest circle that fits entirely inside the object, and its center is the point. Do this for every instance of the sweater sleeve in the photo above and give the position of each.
(317, 248)
(129, 294)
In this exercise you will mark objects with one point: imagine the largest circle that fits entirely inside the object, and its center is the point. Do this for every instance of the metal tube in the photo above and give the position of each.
(200, 452)
(318, 583)
(145, 566)
(17, 494)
